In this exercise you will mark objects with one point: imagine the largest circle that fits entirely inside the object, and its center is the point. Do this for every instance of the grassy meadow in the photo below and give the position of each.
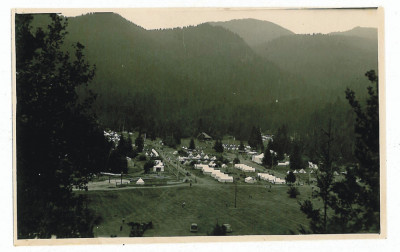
(258, 211)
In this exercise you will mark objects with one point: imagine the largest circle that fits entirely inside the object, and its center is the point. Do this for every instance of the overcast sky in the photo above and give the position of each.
(298, 21)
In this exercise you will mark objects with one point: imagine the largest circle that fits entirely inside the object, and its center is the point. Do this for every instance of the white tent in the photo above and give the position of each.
(207, 170)
(225, 179)
(206, 157)
(313, 166)
(258, 158)
(154, 153)
(216, 173)
(245, 168)
(295, 171)
(224, 166)
(140, 181)
(249, 180)
(175, 152)
(213, 158)
(302, 171)
(280, 181)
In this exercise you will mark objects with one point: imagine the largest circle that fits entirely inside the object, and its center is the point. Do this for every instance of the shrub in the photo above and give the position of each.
(142, 157)
(148, 165)
(219, 230)
(293, 192)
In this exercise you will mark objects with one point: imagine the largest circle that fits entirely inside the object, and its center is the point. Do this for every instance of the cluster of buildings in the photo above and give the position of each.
(271, 178)
(245, 168)
(217, 174)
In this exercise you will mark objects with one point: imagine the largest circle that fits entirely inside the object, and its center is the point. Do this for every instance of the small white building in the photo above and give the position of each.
(159, 166)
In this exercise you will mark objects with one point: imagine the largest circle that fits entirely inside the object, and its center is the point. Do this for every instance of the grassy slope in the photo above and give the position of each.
(268, 213)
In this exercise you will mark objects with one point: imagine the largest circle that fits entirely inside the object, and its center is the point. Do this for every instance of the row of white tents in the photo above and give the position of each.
(245, 168)
(271, 178)
(197, 157)
(302, 171)
(217, 174)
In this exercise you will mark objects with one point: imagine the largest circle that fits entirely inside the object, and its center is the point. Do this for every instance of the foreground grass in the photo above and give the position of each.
(258, 211)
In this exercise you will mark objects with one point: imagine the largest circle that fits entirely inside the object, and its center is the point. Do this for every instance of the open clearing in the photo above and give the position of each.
(258, 211)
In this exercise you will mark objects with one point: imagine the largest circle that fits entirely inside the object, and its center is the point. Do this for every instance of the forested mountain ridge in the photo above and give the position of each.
(362, 32)
(204, 78)
(330, 61)
(165, 78)
(254, 32)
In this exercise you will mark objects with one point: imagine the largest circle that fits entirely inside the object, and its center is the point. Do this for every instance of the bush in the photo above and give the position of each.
(148, 165)
(293, 192)
(236, 160)
(142, 157)
(183, 153)
(291, 178)
(219, 230)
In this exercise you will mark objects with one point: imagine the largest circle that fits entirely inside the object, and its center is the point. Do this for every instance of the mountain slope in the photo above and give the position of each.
(254, 32)
(177, 76)
(330, 61)
(362, 32)
(206, 78)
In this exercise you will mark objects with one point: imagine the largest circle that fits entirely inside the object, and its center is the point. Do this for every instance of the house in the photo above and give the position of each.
(159, 166)
(204, 137)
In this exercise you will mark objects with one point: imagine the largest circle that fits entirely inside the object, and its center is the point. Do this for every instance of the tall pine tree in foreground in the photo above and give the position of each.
(354, 201)
(59, 144)
(357, 201)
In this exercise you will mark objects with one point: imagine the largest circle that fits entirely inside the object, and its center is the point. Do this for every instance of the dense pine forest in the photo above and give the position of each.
(209, 78)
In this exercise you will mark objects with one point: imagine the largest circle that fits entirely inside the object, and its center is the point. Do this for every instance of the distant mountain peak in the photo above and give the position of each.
(358, 31)
(253, 31)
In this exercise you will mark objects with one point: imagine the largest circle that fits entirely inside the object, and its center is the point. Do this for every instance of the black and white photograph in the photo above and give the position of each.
(140, 123)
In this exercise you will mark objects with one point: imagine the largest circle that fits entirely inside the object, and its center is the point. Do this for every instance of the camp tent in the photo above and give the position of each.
(258, 158)
(302, 171)
(140, 181)
(249, 180)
